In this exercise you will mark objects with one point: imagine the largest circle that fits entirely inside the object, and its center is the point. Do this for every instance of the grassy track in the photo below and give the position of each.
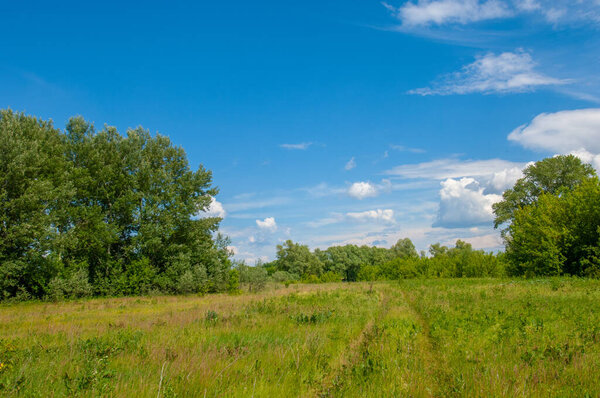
(414, 338)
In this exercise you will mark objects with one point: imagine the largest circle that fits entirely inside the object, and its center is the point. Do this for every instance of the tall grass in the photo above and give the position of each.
(414, 338)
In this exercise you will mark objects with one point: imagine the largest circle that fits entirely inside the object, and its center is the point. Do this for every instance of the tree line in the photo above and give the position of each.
(86, 212)
(295, 262)
(549, 221)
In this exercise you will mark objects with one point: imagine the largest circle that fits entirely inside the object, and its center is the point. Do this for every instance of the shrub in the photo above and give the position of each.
(75, 286)
(233, 285)
(253, 277)
(284, 276)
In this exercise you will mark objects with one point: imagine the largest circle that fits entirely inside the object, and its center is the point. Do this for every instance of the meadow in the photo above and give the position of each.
(442, 337)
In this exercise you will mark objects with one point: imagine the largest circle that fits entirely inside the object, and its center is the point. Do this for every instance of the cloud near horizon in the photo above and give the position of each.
(463, 203)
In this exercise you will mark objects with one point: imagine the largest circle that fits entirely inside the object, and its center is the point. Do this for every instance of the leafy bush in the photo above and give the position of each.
(255, 278)
(284, 276)
(75, 286)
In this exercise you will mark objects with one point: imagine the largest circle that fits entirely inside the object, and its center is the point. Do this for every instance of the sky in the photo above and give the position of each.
(325, 122)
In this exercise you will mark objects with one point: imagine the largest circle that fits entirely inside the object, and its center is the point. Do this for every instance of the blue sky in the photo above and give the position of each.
(326, 122)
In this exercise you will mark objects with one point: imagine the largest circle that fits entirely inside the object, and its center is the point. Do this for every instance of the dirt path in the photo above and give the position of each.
(351, 356)
(437, 368)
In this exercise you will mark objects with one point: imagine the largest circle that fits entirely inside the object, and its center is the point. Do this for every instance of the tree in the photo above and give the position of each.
(404, 248)
(560, 234)
(119, 212)
(297, 259)
(555, 175)
(34, 190)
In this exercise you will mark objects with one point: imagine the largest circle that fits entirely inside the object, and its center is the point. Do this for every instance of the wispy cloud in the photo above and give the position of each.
(440, 169)
(350, 165)
(425, 13)
(301, 146)
(403, 148)
(490, 73)
(386, 216)
(256, 204)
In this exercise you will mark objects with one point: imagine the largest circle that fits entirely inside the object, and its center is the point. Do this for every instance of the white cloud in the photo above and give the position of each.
(439, 12)
(268, 224)
(504, 179)
(426, 13)
(491, 73)
(256, 204)
(361, 190)
(463, 203)
(351, 164)
(489, 241)
(587, 157)
(440, 169)
(561, 132)
(215, 209)
(385, 215)
(302, 146)
(403, 148)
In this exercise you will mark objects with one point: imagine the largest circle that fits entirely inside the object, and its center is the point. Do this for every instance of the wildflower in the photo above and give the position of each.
(2, 366)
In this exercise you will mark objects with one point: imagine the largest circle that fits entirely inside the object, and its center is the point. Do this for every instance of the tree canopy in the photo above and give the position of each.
(553, 175)
(116, 212)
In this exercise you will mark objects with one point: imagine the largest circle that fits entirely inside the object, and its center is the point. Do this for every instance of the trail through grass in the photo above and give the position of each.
(414, 338)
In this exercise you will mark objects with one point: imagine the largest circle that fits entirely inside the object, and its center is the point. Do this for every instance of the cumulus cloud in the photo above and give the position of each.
(502, 180)
(561, 132)
(351, 164)
(215, 209)
(463, 203)
(301, 146)
(361, 190)
(490, 73)
(385, 215)
(268, 224)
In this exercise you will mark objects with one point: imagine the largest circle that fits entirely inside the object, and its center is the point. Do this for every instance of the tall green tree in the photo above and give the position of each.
(553, 175)
(119, 212)
(297, 259)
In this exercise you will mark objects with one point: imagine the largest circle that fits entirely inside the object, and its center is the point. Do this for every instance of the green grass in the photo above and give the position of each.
(413, 338)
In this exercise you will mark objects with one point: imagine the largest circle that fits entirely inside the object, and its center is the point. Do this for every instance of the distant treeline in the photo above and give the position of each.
(365, 263)
(550, 223)
(85, 212)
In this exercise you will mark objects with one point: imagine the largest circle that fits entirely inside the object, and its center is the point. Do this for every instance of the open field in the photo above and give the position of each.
(480, 337)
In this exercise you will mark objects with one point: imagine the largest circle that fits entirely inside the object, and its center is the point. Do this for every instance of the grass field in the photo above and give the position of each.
(410, 338)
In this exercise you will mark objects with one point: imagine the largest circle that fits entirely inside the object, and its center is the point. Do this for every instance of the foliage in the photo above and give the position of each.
(401, 261)
(254, 278)
(553, 176)
(297, 259)
(414, 338)
(559, 235)
(124, 206)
